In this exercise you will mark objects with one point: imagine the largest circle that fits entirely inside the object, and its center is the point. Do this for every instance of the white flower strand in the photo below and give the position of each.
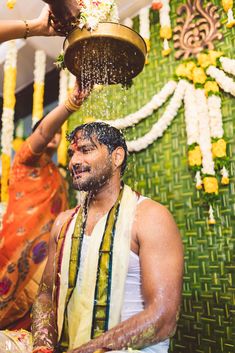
(144, 23)
(164, 14)
(39, 66)
(215, 116)
(8, 114)
(224, 172)
(7, 130)
(63, 89)
(225, 82)
(128, 22)
(228, 65)
(198, 180)
(191, 115)
(211, 215)
(165, 20)
(204, 138)
(157, 101)
(39, 77)
(161, 125)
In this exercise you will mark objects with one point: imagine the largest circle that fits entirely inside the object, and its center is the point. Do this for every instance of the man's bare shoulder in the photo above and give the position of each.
(155, 220)
(60, 221)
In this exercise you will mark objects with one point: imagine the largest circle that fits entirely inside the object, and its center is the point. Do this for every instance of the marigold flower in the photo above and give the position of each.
(211, 185)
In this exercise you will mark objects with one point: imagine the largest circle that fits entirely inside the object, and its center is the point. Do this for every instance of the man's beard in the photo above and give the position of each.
(94, 181)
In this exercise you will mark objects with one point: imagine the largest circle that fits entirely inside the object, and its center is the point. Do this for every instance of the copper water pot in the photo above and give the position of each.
(63, 14)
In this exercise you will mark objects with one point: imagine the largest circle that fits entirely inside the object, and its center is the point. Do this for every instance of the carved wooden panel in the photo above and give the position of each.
(197, 28)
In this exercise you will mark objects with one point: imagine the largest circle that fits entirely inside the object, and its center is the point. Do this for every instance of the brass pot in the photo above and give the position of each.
(111, 54)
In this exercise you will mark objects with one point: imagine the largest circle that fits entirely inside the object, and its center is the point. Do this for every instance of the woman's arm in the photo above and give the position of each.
(13, 29)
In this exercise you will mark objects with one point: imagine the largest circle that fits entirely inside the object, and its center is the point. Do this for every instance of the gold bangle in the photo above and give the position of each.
(70, 105)
(26, 34)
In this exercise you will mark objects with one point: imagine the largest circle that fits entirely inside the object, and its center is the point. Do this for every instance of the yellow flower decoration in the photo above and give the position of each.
(165, 32)
(199, 75)
(225, 181)
(17, 143)
(211, 86)
(219, 148)
(195, 157)
(204, 60)
(166, 52)
(185, 70)
(227, 5)
(211, 185)
(6, 165)
(11, 4)
(211, 221)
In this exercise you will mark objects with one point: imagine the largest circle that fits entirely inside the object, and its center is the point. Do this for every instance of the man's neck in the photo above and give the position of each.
(106, 196)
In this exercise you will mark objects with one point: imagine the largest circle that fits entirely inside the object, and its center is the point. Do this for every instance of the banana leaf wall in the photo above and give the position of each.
(207, 321)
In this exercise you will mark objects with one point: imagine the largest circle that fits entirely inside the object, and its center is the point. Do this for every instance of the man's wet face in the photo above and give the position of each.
(90, 163)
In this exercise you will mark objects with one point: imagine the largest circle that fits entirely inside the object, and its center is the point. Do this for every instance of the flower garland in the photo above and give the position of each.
(145, 28)
(224, 81)
(19, 136)
(207, 150)
(38, 94)
(92, 12)
(165, 29)
(128, 22)
(228, 8)
(9, 100)
(162, 124)
(157, 101)
(11, 4)
(192, 130)
(63, 93)
(228, 65)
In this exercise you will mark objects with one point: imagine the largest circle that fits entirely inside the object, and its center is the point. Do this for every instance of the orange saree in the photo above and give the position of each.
(37, 194)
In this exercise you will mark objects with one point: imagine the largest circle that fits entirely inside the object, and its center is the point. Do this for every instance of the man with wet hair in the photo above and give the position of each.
(114, 272)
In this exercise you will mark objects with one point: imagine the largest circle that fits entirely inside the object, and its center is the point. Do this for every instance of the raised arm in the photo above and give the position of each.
(55, 119)
(161, 259)
(13, 29)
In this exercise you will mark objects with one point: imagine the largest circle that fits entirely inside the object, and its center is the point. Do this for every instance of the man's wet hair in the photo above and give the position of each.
(106, 135)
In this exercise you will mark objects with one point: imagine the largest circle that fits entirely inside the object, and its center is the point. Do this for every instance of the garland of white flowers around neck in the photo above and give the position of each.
(9, 85)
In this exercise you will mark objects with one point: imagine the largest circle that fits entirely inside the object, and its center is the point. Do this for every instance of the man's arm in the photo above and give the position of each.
(13, 29)
(161, 259)
(44, 326)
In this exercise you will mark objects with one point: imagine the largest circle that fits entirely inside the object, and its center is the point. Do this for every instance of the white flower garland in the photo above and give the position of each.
(8, 112)
(162, 124)
(215, 116)
(128, 22)
(39, 77)
(145, 25)
(225, 82)
(63, 86)
(191, 115)
(205, 137)
(165, 22)
(157, 101)
(228, 65)
(92, 12)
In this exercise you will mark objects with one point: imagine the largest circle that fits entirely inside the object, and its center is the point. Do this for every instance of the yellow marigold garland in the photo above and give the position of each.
(228, 8)
(62, 149)
(8, 116)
